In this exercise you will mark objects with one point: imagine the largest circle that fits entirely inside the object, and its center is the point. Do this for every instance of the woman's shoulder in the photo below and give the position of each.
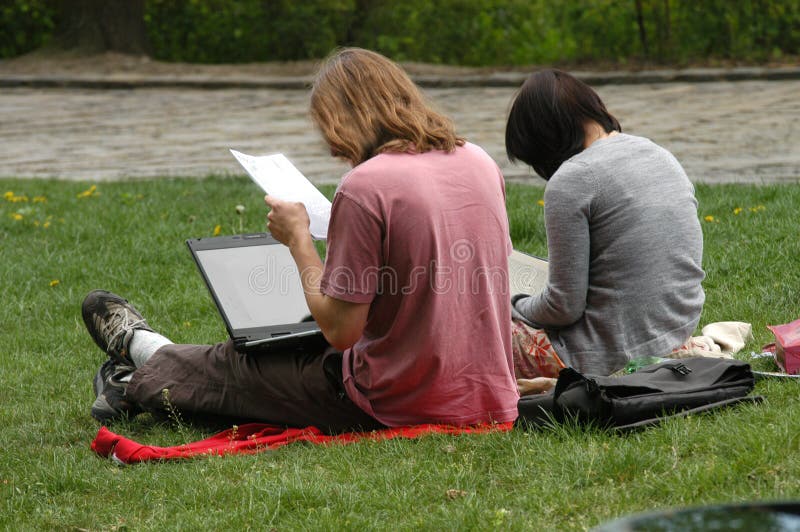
(574, 183)
(617, 152)
(574, 169)
(621, 145)
(614, 143)
(621, 163)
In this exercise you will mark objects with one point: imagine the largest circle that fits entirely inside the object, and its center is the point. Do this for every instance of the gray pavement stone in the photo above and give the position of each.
(721, 131)
(90, 79)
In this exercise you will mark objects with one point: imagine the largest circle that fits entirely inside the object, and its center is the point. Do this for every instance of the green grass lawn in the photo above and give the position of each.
(67, 239)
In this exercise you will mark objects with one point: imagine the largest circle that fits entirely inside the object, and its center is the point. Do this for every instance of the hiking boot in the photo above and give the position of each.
(111, 403)
(111, 321)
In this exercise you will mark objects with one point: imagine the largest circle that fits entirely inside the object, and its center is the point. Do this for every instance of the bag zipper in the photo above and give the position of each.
(680, 369)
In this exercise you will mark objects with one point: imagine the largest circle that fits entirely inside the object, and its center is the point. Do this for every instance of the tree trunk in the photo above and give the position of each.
(642, 29)
(666, 38)
(101, 25)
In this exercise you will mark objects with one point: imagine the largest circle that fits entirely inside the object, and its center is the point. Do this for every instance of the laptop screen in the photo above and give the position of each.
(255, 286)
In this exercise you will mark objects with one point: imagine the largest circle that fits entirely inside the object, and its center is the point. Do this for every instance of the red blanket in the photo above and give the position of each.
(258, 437)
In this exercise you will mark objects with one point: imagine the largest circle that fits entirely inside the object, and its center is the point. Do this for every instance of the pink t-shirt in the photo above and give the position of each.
(424, 239)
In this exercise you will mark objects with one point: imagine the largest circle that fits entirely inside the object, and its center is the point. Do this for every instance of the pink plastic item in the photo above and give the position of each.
(787, 346)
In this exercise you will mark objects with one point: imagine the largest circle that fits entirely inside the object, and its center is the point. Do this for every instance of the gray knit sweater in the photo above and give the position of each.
(625, 250)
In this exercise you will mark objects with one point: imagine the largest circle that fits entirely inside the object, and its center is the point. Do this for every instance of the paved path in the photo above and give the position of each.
(742, 131)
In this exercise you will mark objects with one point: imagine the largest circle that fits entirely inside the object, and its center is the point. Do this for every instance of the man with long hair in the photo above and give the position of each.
(412, 297)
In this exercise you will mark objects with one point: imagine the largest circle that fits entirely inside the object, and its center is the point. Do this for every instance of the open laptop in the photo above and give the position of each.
(256, 287)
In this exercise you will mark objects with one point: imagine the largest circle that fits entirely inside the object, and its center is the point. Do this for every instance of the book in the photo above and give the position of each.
(278, 177)
(527, 274)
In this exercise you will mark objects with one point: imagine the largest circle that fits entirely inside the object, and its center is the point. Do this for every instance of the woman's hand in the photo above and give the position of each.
(535, 386)
(287, 221)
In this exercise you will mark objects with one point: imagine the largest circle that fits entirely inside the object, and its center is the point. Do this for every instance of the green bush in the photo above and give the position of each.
(468, 32)
(480, 32)
(307, 29)
(24, 26)
(204, 31)
(216, 31)
(516, 32)
(746, 29)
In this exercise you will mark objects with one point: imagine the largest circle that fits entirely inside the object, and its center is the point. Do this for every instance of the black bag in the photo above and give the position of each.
(628, 402)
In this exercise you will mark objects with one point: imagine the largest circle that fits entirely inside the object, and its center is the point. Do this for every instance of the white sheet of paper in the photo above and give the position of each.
(278, 177)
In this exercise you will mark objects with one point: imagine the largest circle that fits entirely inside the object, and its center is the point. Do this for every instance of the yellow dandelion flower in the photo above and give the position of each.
(16, 216)
(89, 192)
(709, 218)
(8, 195)
(54, 282)
(540, 203)
(187, 323)
(217, 230)
(737, 210)
(46, 224)
(18, 199)
(39, 199)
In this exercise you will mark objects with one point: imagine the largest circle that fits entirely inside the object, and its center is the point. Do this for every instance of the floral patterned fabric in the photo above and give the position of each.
(533, 354)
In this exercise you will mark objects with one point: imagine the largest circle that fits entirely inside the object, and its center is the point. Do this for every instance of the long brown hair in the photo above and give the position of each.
(365, 104)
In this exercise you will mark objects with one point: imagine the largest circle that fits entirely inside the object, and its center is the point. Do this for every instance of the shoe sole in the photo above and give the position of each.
(104, 412)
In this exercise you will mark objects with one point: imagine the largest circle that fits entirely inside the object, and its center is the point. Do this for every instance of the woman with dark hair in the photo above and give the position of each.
(418, 332)
(624, 242)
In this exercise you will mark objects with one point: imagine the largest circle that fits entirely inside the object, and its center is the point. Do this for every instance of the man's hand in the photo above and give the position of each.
(341, 322)
(287, 221)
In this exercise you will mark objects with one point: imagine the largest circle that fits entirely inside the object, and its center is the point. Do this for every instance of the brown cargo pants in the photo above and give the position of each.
(294, 388)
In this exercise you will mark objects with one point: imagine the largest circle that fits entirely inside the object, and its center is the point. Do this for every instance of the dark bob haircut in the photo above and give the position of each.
(546, 123)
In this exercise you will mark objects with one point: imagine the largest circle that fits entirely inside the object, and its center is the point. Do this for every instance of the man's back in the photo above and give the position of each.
(424, 239)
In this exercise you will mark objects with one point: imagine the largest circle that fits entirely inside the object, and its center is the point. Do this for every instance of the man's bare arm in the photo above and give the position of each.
(342, 323)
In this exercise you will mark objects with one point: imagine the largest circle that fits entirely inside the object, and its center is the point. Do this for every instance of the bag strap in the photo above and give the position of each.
(566, 378)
